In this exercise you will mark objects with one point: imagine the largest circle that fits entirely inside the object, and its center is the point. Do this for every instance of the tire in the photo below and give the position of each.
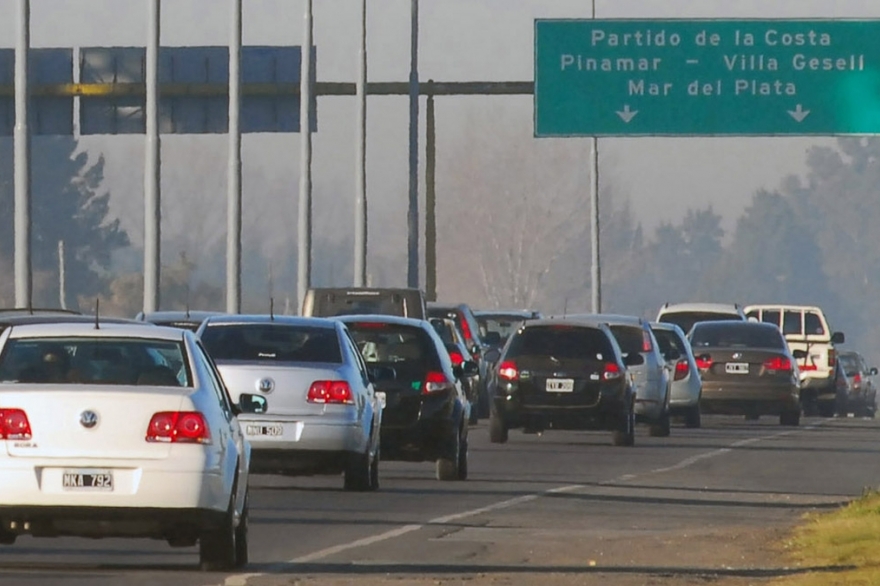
(463, 460)
(790, 418)
(217, 546)
(661, 428)
(358, 472)
(625, 435)
(241, 536)
(7, 537)
(693, 418)
(474, 418)
(447, 468)
(498, 431)
(374, 471)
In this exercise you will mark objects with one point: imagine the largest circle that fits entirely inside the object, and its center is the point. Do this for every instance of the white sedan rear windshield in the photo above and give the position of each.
(81, 360)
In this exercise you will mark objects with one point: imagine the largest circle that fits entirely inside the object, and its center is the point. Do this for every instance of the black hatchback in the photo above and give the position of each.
(561, 374)
(426, 410)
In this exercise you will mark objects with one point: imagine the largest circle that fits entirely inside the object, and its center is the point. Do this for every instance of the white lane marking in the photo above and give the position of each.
(242, 579)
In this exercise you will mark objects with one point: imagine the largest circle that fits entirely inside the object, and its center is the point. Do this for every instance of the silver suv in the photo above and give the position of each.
(685, 315)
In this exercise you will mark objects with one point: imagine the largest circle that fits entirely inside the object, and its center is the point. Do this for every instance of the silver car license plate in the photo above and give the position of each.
(736, 368)
(98, 480)
(560, 385)
(267, 430)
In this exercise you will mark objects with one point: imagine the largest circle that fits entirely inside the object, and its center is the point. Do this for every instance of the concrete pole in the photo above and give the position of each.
(233, 185)
(430, 199)
(304, 234)
(22, 162)
(412, 217)
(596, 267)
(62, 276)
(360, 208)
(152, 164)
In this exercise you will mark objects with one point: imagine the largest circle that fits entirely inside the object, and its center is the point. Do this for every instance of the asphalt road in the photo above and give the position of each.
(564, 503)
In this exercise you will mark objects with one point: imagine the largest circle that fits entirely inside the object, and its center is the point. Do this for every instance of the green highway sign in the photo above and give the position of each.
(706, 77)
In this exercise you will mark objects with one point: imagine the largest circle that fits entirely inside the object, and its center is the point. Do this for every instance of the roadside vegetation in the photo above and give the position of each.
(847, 537)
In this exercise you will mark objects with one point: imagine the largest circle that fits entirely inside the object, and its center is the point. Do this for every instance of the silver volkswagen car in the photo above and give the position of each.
(651, 377)
(324, 416)
(686, 386)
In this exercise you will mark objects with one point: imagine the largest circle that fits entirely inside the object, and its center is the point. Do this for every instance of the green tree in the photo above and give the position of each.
(68, 204)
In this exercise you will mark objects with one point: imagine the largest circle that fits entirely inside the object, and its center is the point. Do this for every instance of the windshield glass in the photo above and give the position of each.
(739, 335)
(109, 361)
(410, 351)
(272, 342)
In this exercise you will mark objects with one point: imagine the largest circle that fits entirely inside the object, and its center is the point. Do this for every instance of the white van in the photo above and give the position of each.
(806, 328)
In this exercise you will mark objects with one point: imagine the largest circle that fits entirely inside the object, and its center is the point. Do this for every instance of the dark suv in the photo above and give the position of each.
(426, 410)
(561, 374)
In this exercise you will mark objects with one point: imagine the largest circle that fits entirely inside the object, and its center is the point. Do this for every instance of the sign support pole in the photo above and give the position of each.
(304, 227)
(233, 200)
(22, 162)
(360, 208)
(596, 270)
(412, 217)
(152, 162)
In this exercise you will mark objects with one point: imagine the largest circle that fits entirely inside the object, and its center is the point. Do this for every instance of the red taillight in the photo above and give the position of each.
(809, 367)
(456, 358)
(681, 369)
(647, 345)
(466, 330)
(14, 425)
(188, 427)
(832, 357)
(611, 371)
(434, 382)
(704, 362)
(508, 370)
(336, 392)
(857, 381)
(778, 363)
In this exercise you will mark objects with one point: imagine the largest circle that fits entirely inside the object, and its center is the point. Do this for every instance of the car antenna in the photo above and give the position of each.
(272, 308)
(97, 311)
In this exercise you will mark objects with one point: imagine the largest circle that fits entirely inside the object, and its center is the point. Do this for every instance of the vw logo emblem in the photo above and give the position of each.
(265, 385)
(88, 419)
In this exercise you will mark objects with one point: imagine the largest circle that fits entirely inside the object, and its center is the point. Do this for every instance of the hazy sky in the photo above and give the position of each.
(460, 40)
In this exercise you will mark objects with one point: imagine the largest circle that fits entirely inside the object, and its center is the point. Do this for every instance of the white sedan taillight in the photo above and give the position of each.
(187, 427)
(14, 425)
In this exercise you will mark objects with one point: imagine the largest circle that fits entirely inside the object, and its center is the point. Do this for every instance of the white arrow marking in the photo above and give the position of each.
(799, 113)
(626, 114)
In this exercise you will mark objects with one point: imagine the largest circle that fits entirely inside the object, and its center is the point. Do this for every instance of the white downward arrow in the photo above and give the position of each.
(626, 114)
(799, 113)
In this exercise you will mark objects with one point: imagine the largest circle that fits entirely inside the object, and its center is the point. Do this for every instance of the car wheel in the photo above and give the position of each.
(474, 417)
(217, 547)
(7, 537)
(661, 427)
(447, 468)
(374, 471)
(693, 418)
(358, 470)
(241, 536)
(790, 418)
(497, 427)
(463, 459)
(625, 435)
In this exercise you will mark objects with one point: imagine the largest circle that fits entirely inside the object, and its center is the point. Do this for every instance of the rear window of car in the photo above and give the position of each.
(561, 342)
(410, 351)
(272, 342)
(668, 341)
(813, 324)
(740, 335)
(686, 319)
(850, 363)
(83, 360)
(631, 339)
(503, 326)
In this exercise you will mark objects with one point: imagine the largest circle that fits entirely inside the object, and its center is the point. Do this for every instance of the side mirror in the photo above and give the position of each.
(492, 356)
(492, 339)
(380, 374)
(634, 359)
(838, 338)
(799, 354)
(873, 371)
(256, 404)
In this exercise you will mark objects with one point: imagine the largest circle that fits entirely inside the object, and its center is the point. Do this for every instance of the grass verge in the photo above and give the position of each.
(847, 537)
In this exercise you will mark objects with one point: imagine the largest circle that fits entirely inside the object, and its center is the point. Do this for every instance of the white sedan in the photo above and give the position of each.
(121, 431)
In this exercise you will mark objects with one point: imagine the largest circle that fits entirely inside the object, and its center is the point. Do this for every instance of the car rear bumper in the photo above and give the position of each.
(182, 525)
(427, 439)
(606, 414)
(305, 434)
(753, 399)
